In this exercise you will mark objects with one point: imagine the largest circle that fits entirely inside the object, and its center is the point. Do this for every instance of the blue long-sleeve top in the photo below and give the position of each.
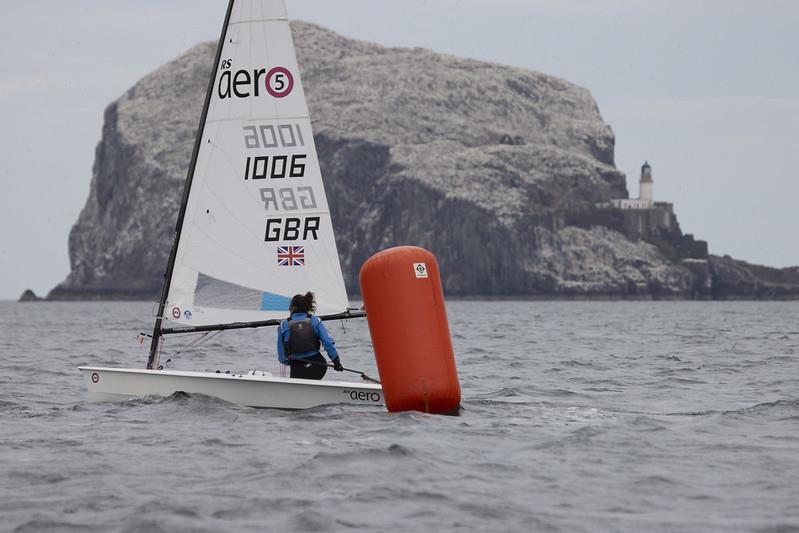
(319, 329)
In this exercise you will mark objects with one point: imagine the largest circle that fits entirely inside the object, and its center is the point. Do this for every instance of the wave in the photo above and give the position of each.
(787, 409)
(38, 525)
(503, 395)
(179, 398)
(654, 480)
(12, 407)
(520, 395)
(574, 362)
(393, 451)
(38, 410)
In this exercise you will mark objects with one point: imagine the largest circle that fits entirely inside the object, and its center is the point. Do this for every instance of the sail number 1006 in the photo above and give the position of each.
(274, 167)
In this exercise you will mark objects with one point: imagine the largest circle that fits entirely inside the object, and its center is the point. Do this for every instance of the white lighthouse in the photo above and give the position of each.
(646, 199)
(643, 217)
(645, 185)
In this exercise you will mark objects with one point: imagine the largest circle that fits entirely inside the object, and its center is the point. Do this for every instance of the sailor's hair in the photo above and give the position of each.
(303, 303)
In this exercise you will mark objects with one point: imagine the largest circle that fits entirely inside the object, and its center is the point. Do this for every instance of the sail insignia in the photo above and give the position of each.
(255, 226)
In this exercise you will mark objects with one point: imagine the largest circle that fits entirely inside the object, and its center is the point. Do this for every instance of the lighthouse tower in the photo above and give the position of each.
(645, 186)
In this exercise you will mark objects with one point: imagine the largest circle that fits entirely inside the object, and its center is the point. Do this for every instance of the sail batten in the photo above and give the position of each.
(235, 23)
(253, 119)
(255, 226)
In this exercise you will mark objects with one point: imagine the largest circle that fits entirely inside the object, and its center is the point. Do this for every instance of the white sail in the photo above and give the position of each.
(256, 228)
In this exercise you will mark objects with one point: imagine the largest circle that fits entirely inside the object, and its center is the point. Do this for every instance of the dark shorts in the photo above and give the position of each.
(314, 367)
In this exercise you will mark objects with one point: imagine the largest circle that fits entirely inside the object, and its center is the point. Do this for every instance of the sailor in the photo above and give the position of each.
(300, 337)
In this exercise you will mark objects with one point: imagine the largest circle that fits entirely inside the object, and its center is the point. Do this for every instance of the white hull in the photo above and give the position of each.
(255, 389)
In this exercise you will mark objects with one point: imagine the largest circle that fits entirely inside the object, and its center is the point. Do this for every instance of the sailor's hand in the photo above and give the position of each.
(337, 364)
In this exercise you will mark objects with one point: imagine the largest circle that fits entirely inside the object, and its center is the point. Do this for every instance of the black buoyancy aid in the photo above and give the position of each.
(302, 337)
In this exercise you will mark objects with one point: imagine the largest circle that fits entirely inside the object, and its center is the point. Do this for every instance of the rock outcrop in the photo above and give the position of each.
(29, 296)
(475, 161)
(735, 279)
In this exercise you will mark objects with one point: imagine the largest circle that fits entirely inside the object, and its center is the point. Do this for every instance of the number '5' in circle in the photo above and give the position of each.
(279, 82)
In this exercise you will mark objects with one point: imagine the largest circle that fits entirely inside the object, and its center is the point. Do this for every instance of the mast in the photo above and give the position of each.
(186, 189)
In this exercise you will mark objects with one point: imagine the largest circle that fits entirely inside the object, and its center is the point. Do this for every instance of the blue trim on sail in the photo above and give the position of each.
(274, 302)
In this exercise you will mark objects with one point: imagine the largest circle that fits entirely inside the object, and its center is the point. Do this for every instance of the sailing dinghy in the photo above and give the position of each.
(253, 228)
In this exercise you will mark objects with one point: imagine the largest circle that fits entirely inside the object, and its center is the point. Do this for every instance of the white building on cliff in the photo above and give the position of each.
(644, 218)
(645, 199)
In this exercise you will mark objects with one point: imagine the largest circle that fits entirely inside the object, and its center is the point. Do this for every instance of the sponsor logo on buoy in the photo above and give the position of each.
(95, 377)
(187, 314)
(420, 269)
(176, 312)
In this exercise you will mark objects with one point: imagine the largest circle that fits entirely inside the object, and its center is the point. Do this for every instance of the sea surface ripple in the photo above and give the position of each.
(577, 416)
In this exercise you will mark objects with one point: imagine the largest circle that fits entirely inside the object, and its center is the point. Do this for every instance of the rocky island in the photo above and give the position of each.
(505, 174)
(29, 296)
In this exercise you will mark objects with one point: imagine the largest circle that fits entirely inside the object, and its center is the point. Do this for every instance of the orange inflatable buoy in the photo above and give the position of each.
(404, 304)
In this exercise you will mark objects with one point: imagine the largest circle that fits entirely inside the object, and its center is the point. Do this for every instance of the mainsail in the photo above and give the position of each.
(254, 226)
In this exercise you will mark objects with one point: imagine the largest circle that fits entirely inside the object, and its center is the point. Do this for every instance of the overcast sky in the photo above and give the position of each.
(707, 91)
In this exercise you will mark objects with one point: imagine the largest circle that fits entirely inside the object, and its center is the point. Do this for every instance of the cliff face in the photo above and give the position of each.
(734, 279)
(120, 243)
(474, 161)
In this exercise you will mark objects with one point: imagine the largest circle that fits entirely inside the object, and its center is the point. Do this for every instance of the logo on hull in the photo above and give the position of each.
(363, 396)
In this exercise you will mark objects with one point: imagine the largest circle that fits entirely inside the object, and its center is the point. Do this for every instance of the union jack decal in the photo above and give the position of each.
(291, 256)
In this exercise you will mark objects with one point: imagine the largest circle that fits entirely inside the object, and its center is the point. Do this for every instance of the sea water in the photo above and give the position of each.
(577, 416)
